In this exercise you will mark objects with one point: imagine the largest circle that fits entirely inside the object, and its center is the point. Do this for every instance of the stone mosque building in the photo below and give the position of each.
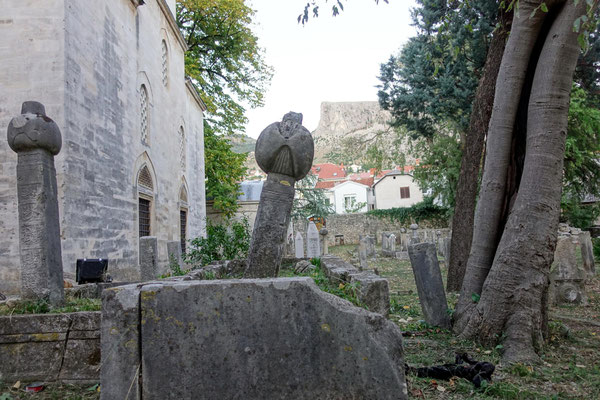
(111, 75)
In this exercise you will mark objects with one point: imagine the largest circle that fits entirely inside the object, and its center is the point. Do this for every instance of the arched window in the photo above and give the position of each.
(182, 147)
(183, 216)
(165, 63)
(144, 114)
(145, 196)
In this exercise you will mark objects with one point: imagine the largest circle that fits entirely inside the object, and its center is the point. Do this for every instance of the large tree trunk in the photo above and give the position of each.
(513, 299)
(466, 189)
(490, 207)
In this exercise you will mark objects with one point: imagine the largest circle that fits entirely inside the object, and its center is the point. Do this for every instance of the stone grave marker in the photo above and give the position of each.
(414, 239)
(245, 339)
(312, 241)
(567, 280)
(430, 287)
(36, 139)
(148, 257)
(324, 245)
(284, 150)
(362, 253)
(587, 253)
(299, 245)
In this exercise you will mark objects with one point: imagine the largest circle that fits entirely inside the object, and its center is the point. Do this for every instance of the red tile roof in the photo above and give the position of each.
(325, 184)
(328, 171)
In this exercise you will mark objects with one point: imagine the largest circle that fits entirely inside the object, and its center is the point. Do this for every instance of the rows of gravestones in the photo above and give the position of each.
(162, 309)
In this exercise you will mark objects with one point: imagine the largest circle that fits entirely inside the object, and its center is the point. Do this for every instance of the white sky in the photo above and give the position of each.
(329, 59)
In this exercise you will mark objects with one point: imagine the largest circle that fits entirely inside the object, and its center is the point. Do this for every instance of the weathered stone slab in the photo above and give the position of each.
(313, 248)
(362, 253)
(50, 347)
(174, 251)
(567, 280)
(329, 263)
(430, 286)
(148, 258)
(373, 291)
(587, 253)
(120, 333)
(299, 245)
(262, 339)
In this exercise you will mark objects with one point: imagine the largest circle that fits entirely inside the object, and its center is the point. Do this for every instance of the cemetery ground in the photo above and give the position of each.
(570, 367)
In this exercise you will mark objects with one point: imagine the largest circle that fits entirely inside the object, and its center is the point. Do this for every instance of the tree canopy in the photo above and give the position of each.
(226, 64)
(223, 59)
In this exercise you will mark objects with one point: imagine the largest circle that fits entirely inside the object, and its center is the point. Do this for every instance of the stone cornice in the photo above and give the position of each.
(192, 89)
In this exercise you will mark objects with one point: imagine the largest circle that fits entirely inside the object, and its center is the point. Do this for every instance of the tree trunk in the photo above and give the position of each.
(513, 300)
(490, 207)
(466, 190)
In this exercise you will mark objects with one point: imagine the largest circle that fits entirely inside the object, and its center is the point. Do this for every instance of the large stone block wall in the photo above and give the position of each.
(86, 62)
(32, 64)
(50, 347)
(353, 225)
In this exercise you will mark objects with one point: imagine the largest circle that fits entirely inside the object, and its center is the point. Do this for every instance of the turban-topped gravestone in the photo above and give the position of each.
(284, 150)
(36, 139)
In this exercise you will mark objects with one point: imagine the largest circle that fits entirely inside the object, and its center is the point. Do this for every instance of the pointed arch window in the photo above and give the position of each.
(182, 147)
(183, 217)
(144, 115)
(164, 63)
(145, 186)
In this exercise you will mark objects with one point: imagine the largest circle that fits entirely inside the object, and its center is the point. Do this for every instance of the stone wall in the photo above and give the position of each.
(50, 347)
(353, 225)
(86, 61)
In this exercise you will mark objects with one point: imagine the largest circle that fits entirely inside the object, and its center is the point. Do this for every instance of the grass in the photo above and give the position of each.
(570, 367)
(72, 304)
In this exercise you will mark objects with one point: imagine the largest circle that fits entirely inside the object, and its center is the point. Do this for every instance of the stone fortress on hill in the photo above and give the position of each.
(111, 75)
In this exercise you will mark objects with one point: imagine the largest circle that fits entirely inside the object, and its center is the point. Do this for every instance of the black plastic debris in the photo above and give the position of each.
(464, 367)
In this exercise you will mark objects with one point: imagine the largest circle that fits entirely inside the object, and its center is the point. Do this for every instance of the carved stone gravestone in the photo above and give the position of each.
(148, 258)
(324, 245)
(299, 245)
(414, 239)
(284, 150)
(587, 254)
(430, 287)
(313, 249)
(37, 139)
(567, 280)
(362, 253)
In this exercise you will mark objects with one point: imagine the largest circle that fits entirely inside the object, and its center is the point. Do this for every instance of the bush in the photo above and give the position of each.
(227, 241)
(423, 211)
(596, 244)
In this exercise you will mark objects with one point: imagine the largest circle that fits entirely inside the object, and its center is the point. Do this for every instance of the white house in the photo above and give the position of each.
(349, 196)
(396, 189)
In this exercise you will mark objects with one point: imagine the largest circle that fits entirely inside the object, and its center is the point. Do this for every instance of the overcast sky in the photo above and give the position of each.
(329, 59)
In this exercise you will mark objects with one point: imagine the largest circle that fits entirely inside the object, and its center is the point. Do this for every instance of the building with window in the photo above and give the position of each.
(111, 75)
(396, 189)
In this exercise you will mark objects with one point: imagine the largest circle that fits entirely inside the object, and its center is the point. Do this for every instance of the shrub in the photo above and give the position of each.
(227, 241)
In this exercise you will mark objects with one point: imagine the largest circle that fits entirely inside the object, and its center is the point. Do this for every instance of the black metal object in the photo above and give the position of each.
(91, 270)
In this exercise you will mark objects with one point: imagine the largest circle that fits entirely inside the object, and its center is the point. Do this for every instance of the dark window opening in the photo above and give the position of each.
(183, 222)
(144, 207)
(405, 192)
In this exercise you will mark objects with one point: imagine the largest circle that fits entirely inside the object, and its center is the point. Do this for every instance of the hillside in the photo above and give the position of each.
(347, 129)
(242, 143)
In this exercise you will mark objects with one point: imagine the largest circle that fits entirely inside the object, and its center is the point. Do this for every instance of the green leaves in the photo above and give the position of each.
(223, 59)
(475, 297)
(224, 169)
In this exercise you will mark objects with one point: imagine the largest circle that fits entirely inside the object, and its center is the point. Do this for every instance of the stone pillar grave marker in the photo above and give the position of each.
(148, 258)
(284, 150)
(430, 286)
(312, 241)
(362, 253)
(299, 245)
(324, 246)
(36, 139)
